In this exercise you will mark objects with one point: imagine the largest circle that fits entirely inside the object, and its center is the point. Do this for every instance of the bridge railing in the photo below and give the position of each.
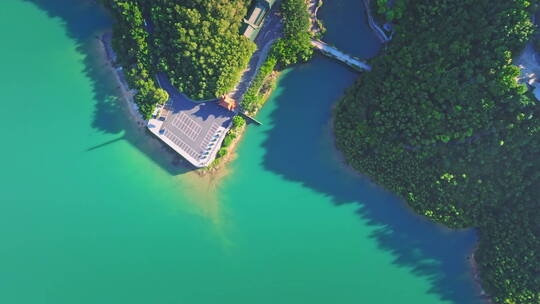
(339, 55)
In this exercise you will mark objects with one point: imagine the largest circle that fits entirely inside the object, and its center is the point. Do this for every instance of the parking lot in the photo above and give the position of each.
(195, 130)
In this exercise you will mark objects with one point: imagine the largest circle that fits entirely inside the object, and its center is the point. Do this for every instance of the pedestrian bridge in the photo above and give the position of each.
(333, 52)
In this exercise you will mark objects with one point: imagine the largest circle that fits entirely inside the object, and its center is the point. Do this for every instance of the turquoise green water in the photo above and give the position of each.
(94, 211)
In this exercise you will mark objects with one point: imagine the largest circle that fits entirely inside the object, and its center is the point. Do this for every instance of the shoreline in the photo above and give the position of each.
(223, 162)
(105, 50)
(373, 25)
(317, 26)
(126, 95)
(342, 162)
(212, 173)
(475, 272)
(484, 296)
(340, 158)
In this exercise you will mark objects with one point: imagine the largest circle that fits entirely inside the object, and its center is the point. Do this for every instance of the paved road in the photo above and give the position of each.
(271, 30)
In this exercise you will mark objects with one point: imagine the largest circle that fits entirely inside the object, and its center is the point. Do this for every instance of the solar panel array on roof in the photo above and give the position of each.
(193, 129)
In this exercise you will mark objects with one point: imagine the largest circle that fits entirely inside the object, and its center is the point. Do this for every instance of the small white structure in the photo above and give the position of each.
(530, 69)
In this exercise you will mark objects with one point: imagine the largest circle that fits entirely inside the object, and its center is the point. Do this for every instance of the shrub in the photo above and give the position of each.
(238, 122)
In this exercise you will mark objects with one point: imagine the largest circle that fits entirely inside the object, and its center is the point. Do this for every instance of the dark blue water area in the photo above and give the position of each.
(303, 133)
(300, 148)
(347, 28)
(302, 136)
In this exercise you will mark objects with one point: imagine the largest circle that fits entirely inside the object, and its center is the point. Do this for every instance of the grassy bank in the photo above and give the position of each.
(253, 98)
(294, 47)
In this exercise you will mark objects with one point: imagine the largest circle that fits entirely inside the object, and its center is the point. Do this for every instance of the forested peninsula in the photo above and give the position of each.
(197, 43)
(442, 122)
(199, 46)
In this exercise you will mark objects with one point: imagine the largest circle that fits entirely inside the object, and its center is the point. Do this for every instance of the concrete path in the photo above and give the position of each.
(378, 31)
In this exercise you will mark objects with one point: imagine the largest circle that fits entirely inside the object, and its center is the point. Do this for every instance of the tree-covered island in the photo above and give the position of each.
(441, 120)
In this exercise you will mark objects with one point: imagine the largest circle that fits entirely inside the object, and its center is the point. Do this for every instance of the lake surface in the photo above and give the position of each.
(93, 210)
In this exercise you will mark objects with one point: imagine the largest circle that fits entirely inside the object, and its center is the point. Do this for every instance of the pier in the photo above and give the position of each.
(250, 118)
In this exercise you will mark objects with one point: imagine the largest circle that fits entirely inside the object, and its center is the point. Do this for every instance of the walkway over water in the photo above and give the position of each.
(250, 118)
(333, 52)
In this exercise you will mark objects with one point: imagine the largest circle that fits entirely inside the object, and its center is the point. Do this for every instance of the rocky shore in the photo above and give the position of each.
(126, 93)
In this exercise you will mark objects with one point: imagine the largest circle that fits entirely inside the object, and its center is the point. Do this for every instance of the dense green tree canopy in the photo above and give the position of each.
(295, 46)
(442, 122)
(160, 96)
(196, 42)
(130, 41)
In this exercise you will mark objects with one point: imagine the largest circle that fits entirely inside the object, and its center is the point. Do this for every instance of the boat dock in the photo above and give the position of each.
(250, 119)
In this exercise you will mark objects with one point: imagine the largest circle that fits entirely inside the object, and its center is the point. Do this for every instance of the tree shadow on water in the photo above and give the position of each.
(85, 21)
(295, 150)
(299, 147)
